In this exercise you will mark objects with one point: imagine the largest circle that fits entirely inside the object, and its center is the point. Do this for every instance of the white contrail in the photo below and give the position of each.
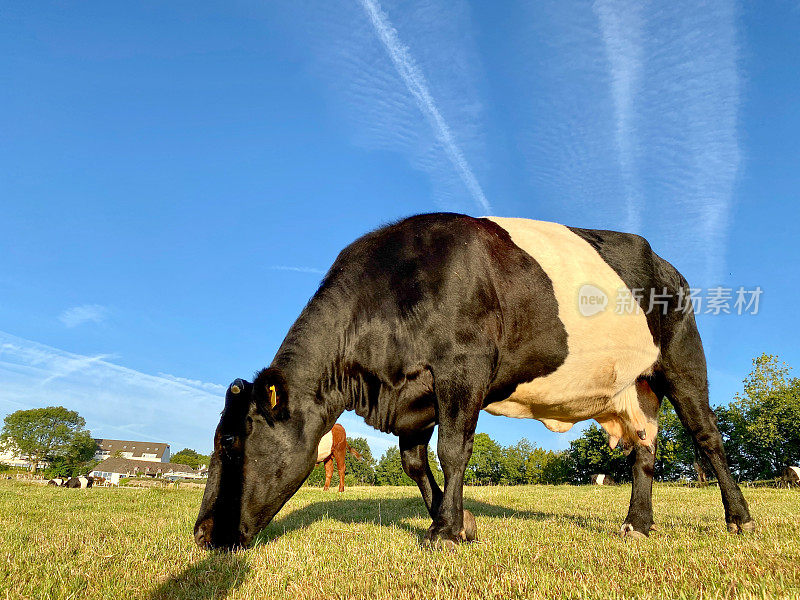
(416, 84)
(621, 27)
(120, 402)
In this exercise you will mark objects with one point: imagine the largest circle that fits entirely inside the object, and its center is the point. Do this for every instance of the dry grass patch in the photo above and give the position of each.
(535, 542)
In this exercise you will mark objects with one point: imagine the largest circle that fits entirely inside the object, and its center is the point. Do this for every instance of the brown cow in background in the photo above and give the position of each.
(333, 445)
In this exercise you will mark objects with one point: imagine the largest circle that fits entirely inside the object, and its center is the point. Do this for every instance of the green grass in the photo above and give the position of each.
(535, 542)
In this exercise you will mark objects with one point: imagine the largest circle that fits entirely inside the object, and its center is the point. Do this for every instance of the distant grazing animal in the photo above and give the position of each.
(333, 445)
(791, 475)
(99, 481)
(430, 320)
(80, 482)
(58, 481)
(600, 479)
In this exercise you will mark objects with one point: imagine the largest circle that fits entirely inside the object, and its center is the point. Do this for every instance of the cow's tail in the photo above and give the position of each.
(355, 452)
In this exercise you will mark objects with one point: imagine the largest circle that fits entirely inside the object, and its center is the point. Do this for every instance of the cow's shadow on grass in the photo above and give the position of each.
(400, 512)
(211, 578)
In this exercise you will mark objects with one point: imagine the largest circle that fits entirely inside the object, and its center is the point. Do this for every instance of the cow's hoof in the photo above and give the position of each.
(470, 531)
(444, 545)
(748, 527)
(441, 540)
(628, 532)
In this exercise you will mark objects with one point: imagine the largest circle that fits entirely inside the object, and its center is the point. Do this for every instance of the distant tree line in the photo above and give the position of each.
(190, 458)
(760, 429)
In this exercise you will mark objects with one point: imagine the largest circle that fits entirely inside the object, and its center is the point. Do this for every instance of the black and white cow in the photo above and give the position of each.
(601, 479)
(80, 482)
(432, 319)
(57, 481)
(791, 475)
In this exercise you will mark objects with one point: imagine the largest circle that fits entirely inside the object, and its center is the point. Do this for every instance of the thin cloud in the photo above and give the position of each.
(632, 122)
(118, 402)
(621, 26)
(86, 313)
(297, 269)
(214, 388)
(418, 87)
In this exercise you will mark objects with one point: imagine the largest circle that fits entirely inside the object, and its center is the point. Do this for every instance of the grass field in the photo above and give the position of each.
(535, 542)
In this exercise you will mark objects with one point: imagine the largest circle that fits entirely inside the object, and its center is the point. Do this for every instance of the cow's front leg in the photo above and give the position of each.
(459, 406)
(414, 456)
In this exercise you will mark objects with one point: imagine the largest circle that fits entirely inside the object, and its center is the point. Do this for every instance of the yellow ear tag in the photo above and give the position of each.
(273, 400)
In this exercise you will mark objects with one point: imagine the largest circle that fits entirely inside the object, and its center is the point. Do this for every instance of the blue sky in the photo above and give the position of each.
(175, 178)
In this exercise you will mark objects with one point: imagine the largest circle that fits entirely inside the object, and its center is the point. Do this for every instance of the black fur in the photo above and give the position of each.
(420, 323)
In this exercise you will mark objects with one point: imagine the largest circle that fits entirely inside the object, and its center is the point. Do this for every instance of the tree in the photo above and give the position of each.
(77, 459)
(546, 467)
(487, 465)
(43, 433)
(762, 423)
(390, 469)
(591, 453)
(517, 462)
(190, 458)
(359, 472)
(675, 450)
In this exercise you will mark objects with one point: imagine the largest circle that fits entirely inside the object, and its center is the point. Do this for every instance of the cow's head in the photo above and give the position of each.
(262, 455)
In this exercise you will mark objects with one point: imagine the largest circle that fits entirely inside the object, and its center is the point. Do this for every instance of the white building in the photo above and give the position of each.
(149, 451)
(10, 455)
(115, 468)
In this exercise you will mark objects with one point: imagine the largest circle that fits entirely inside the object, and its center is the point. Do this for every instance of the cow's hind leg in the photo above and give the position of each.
(339, 454)
(642, 458)
(686, 385)
(328, 472)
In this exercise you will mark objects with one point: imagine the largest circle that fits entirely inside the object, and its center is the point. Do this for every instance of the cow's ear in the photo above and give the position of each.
(271, 394)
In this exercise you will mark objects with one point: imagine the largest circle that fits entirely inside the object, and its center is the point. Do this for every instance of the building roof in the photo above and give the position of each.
(127, 466)
(137, 448)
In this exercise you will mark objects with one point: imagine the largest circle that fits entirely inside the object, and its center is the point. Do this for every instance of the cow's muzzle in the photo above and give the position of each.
(208, 539)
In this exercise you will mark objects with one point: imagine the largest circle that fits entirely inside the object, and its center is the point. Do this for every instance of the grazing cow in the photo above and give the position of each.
(600, 479)
(80, 482)
(334, 446)
(428, 321)
(791, 475)
(58, 481)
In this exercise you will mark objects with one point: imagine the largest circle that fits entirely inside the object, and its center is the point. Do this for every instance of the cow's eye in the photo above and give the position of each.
(227, 440)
